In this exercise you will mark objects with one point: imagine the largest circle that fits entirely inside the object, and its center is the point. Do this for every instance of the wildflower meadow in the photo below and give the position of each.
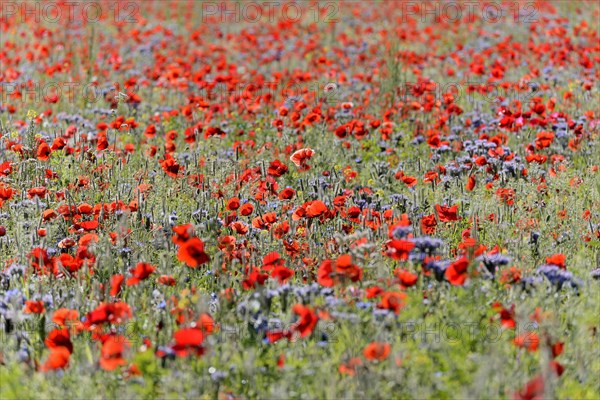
(299, 199)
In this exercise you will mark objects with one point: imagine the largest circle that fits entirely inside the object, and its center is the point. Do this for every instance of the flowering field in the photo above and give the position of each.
(241, 200)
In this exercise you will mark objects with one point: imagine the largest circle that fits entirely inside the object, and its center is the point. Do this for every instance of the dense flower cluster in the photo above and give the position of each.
(268, 202)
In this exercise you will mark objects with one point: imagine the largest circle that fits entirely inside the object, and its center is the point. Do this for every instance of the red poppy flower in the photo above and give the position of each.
(70, 263)
(150, 131)
(206, 323)
(307, 320)
(471, 183)
(406, 278)
(286, 194)
(330, 272)
(392, 301)
(43, 151)
(188, 341)
(345, 267)
(558, 260)
(510, 275)
(111, 355)
(37, 191)
(428, 224)
(6, 192)
(276, 335)
(277, 169)
(59, 338)
(282, 273)
(114, 313)
(410, 181)
(374, 291)
(270, 218)
(233, 203)
(34, 307)
(528, 340)
(40, 260)
(58, 359)
(543, 139)
(533, 390)
(349, 368)
(457, 272)
(507, 316)
(84, 208)
(253, 278)
(182, 233)
(5, 168)
(447, 214)
(64, 315)
(300, 157)
(272, 260)
(171, 167)
(116, 281)
(324, 275)
(377, 351)
(281, 229)
(556, 367)
(315, 208)
(89, 225)
(166, 280)
(139, 273)
(246, 209)
(506, 195)
(399, 249)
(192, 253)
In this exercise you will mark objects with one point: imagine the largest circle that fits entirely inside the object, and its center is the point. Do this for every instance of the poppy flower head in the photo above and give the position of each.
(377, 351)
(59, 338)
(188, 341)
(277, 169)
(34, 307)
(345, 267)
(233, 203)
(457, 272)
(300, 158)
(141, 271)
(171, 166)
(528, 340)
(325, 271)
(315, 208)
(406, 278)
(399, 249)
(447, 214)
(63, 316)
(558, 260)
(116, 281)
(533, 390)
(349, 368)
(282, 273)
(112, 352)
(246, 209)
(272, 260)
(182, 233)
(166, 280)
(43, 151)
(57, 359)
(393, 301)
(428, 224)
(286, 194)
(192, 253)
(114, 313)
(307, 320)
